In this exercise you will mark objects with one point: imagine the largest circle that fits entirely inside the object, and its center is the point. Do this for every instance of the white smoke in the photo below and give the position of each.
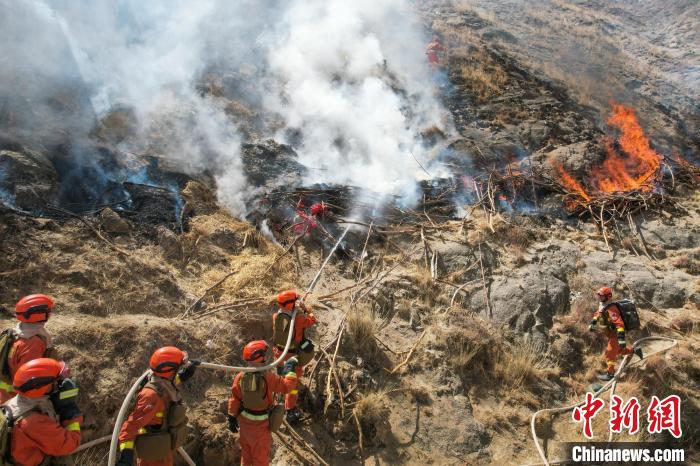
(339, 66)
(349, 78)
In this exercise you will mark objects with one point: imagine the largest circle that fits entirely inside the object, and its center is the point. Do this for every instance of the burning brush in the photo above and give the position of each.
(626, 181)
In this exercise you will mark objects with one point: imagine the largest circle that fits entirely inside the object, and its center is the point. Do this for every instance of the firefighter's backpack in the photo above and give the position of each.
(628, 312)
(280, 332)
(7, 338)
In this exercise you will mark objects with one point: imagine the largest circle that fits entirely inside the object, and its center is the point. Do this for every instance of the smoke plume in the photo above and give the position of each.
(347, 79)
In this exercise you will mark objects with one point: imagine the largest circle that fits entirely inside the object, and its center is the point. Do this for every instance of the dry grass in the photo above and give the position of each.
(373, 413)
(518, 366)
(481, 75)
(688, 261)
(361, 326)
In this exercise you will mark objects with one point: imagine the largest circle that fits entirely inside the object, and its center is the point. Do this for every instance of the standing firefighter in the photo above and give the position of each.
(610, 316)
(300, 346)
(433, 50)
(251, 407)
(42, 420)
(27, 341)
(158, 425)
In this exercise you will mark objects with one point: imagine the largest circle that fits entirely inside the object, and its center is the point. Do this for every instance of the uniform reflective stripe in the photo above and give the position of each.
(160, 414)
(73, 426)
(7, 387)
(69, 393)
(305, 344)
(254, 417)
(127, 445)
(293, 392)
(291, 375)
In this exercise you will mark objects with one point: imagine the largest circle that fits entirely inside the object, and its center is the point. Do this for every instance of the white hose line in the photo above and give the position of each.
(186, 457)
(610, 384)
(92, 443)
(113, 448)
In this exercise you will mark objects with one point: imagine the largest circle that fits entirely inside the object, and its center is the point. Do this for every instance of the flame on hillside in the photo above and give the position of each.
(630, 163)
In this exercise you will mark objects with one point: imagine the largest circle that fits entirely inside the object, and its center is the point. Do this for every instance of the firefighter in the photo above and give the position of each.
(608, 315)
(30, 340)
(46, 419)
(300, 346)
(251, 407)
(432, 51)
(158, 424)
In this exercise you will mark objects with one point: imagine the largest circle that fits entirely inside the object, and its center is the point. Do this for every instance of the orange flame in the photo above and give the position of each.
(631, 167)
(571, 184)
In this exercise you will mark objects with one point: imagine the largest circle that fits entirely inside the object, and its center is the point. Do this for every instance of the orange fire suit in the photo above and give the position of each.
(302, 321)
(612, 318)
(432, 51)
(38, 435)
(149, 411)
(255, 436)
(23, 350)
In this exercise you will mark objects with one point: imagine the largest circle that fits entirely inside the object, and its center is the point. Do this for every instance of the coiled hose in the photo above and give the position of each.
(113, 448)
(609, 385)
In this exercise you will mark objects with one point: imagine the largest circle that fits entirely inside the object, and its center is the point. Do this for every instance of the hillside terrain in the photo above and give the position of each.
(444, 324)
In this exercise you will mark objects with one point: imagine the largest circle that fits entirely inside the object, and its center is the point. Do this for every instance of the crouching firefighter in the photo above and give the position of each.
(158, 424)
(251, 407)
(300, 347)
(27, 341)
(609, 315)
(41, 424)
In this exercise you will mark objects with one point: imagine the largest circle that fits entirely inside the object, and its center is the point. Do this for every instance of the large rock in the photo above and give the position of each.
(112, 222)
(577, 159)
(525, 299)
(676, 234)
(28, 180)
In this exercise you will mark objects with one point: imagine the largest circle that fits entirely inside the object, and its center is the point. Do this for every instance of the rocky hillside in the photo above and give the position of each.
(442, 326)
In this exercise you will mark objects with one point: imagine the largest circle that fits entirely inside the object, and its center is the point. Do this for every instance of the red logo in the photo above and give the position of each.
(665, 415)
(586, 412)
(624, 416)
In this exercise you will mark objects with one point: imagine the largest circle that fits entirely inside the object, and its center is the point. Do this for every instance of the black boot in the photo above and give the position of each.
(638, 352)
(606, 377)
(293, 416)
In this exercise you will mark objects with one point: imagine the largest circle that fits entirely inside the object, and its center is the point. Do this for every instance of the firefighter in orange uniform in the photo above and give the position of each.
(158, 424)
(46, 420)
(432, 51)
(30, 338)
(300, 346)
(608, 315)
(251, 407)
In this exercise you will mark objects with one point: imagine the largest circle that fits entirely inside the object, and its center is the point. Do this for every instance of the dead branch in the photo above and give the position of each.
(483, 280)
(299, 439)
(410, 353)
(359, 436)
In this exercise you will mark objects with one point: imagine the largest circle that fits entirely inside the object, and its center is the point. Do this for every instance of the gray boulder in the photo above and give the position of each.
(530, 297)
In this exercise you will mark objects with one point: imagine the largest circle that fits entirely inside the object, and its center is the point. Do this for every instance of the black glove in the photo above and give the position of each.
(307, 346)
(290, 365)
(126, 458)
(187, 372)
(232, 423)
(63, 400)
(621, 339)
(593, 325)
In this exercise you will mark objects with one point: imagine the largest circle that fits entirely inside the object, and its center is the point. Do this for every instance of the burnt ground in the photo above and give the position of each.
(489, 312)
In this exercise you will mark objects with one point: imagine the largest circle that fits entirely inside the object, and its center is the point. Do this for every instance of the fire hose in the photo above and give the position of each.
(113, 448)
(610, 385)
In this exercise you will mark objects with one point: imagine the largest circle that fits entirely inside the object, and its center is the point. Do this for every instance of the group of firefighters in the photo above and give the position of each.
(39, 398)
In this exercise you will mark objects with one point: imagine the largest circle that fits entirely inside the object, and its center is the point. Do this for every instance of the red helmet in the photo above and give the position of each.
(604, 293)
(166, 360)
(319, 208)
(255, 351)
(36, 377)
(34, 308)
(287, 298)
